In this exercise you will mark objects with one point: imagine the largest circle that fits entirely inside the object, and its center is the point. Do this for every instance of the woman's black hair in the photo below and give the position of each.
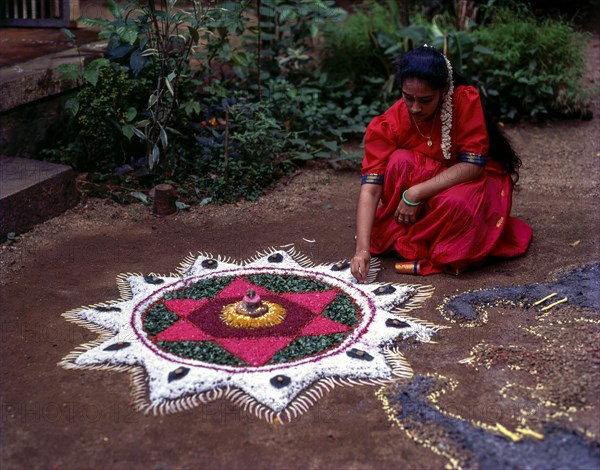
(429, 64)
(425, 63)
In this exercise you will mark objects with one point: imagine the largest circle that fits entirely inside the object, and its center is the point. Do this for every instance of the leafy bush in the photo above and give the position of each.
(239, 149)
(224, 125)
(524, 67)
(103, 111)
(242, 145)
(349, 53)
(130, 97)
(222, 101)
(536, 68)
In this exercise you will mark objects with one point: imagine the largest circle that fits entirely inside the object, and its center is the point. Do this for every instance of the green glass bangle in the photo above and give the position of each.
(407, 202)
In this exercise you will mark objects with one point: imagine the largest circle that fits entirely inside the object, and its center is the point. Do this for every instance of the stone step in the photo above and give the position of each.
(38, 78)
(32, 192)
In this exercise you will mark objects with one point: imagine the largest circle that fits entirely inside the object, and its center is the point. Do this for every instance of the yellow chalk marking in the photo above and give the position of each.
(529, 432)
(467, 360)
(575, 243)
(548, 307)
(544, 299)
(515, 437)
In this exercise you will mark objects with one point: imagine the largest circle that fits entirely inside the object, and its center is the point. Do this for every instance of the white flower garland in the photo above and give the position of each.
(446, 115)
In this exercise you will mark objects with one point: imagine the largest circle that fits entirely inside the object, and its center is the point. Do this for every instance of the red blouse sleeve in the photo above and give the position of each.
(471, 135)
(380, 142)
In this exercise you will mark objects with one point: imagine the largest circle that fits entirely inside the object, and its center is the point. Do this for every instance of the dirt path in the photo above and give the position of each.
(72, 419)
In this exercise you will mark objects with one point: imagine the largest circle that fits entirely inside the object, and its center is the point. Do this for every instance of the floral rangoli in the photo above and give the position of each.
(272, 333)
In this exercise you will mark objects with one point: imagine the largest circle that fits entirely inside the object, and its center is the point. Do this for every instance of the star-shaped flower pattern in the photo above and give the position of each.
(199, 321)
(168, 381)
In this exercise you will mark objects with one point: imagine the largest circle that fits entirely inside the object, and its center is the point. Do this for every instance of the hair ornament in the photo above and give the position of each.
(446, 114)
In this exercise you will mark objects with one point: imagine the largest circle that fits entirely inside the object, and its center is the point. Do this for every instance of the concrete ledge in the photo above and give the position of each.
(38, 78)
(33, 191)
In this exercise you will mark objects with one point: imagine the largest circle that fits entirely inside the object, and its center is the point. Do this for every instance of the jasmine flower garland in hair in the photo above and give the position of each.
(446, 115)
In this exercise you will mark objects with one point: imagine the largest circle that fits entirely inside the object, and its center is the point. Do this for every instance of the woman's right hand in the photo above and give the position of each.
(360, 265)
(370, 194)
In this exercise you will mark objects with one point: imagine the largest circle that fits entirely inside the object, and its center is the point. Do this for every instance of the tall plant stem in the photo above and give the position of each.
(259, 50)
(226, 151)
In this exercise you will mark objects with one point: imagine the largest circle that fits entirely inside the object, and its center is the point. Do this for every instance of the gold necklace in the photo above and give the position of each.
(429, 141)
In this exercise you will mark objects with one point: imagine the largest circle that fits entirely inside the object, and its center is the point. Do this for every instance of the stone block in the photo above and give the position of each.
(32, 192)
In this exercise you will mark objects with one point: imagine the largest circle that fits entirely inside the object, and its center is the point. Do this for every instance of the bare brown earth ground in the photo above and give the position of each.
(55, 418)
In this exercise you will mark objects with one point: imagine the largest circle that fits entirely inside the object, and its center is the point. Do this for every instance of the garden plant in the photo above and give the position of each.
(223, 99)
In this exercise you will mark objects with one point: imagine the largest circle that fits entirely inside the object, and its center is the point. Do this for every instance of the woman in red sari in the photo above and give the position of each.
(433, 188)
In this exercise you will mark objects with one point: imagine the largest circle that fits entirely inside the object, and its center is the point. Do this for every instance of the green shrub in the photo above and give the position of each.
(255, 103)
(349, 53)
(103, 110)
(362, 55)
(241, 153)
(536, 68)
(239, 118)
(243, 145)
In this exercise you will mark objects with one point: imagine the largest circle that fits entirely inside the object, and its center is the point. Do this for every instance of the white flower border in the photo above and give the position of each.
(249, 386)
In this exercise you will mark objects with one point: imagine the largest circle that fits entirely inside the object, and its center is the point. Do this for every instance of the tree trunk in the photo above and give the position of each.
(404, 7)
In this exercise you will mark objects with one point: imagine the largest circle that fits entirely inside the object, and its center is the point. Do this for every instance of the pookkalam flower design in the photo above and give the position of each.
(272, 333)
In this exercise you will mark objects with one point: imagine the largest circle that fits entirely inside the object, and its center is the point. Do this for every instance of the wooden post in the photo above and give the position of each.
(164, 200)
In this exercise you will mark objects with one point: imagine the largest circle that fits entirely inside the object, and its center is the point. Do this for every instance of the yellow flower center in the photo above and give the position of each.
(230, 316)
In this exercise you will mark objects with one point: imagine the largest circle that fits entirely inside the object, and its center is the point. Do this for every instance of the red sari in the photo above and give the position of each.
(458, 227)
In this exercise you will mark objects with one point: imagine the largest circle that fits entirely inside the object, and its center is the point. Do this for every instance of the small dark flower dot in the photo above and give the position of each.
(178, 373)
(275, 258)
(280, 381)
(209, 264)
